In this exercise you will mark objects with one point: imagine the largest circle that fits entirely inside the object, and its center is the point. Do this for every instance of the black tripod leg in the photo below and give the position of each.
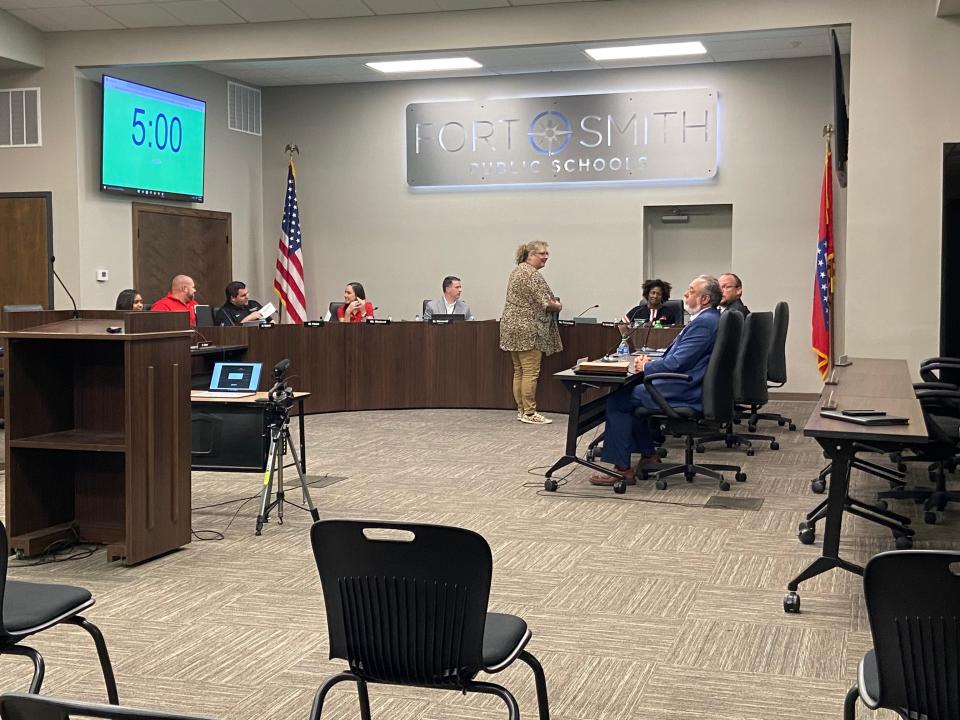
(303, 481)
(267, 484)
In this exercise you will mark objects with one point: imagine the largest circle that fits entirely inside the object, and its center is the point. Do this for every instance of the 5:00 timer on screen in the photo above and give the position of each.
(163, 132)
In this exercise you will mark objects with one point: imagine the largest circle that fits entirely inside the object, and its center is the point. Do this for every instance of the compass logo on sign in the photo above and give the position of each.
(550, 133)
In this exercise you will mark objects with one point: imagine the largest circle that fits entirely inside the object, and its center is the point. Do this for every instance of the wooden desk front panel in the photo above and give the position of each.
(350, 367)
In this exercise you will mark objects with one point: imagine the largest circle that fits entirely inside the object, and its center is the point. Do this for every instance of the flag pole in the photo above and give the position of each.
(290, 149)
(827, 136)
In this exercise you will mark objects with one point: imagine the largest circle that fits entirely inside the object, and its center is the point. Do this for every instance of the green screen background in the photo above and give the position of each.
(128, 165)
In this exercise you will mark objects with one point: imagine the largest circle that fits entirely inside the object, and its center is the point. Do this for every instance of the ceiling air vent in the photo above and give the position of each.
(243, 108)
(20, 117)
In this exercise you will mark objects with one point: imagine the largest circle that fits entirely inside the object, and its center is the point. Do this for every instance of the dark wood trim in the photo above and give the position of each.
(48, 196)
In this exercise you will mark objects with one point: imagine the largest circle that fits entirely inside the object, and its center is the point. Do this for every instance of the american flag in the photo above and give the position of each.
(823, 278)
(288, 283)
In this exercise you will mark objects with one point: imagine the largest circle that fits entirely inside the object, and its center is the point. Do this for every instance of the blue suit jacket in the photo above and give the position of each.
(689, 354)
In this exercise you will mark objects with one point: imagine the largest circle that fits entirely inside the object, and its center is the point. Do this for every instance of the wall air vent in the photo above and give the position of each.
(243, 108)
(20, 117)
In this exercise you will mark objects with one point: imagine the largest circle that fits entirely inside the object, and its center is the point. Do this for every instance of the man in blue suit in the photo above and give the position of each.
(689, 354)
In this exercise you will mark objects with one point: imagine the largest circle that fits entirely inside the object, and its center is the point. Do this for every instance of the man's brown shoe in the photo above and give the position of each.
(604, 480)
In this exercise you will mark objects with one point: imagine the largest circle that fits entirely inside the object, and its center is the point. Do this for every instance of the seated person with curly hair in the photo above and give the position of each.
(653, 307)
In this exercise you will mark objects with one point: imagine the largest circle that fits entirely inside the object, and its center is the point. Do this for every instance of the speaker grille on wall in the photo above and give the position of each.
(243, 108)
(20, 117)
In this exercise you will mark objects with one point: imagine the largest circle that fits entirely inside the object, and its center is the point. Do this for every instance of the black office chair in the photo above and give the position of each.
(675, 309)
(27, 608)
(19, 706)
(717, 407)
(750, 382)
(912, 600)
(776, 366)
(334, 306)
(406, 604)
(423, 309)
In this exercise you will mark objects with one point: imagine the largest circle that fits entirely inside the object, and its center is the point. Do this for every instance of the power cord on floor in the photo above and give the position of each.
(53, 553)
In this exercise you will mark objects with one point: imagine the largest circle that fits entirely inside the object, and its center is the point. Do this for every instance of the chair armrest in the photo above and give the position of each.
(928, 366)
(934, 386)
(952, 361)
(657, 397)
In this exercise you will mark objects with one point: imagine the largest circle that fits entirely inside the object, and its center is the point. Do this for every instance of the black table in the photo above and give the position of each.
(878, 384)
(584, 416)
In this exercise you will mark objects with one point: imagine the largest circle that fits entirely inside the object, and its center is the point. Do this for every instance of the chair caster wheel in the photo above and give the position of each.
(661, 484)
(903, 542)
(882, 504)
(781, 423)
(793, 427)
(724, 485)
(751, 452)
(930, 517)
(791, 603)
(620, 487)
(774, 445)
(741, 477)
(818, 486)
(550, 485)
(901, 467)
(661, 452)
(700, 448)
(752, 428)
(806, 535)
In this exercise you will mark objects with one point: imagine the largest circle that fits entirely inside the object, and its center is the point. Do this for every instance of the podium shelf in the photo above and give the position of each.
(75, 439)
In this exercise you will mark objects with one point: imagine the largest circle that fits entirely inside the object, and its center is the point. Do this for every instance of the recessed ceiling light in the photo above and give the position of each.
(631, 52)
(430, 65)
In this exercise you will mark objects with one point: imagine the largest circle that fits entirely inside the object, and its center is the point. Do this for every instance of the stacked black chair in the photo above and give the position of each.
(913, 603)
(16, 706)
(750, 381)
(28, 608)
(717, 412)
(776, 367)
(406, 604)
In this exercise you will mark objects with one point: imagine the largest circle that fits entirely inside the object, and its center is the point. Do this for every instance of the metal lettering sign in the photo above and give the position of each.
(660, 135)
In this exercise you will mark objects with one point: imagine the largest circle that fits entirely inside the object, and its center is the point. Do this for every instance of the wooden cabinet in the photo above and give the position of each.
(98, 434)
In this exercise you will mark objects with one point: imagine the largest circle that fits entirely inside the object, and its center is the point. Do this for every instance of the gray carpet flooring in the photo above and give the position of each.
(643, 605)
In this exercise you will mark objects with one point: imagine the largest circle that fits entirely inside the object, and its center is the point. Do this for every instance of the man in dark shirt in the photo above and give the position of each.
(238, 308)
(732, 289)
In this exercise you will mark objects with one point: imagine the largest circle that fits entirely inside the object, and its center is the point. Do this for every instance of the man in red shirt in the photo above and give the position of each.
(180, 298)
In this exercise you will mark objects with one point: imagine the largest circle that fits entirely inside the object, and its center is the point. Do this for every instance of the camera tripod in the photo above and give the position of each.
(279, 442)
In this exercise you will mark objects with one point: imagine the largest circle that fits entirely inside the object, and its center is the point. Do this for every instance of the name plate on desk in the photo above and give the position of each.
(313, 323)
(203, 345)
(566, 323)
(609, 324)
(377, 321)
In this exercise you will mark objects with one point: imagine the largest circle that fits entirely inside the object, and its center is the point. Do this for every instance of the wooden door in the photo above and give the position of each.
(26, 244)
(169, 241)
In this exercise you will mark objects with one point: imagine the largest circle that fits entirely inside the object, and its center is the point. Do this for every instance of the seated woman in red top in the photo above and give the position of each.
(355, 307)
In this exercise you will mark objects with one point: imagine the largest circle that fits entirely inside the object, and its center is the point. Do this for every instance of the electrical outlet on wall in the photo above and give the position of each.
(102, 275)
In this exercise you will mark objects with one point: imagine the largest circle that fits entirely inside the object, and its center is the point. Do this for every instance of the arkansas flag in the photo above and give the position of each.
(823, 278)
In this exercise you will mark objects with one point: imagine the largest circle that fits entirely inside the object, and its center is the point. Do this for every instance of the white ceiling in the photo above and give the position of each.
(728, 47)
(65, 15)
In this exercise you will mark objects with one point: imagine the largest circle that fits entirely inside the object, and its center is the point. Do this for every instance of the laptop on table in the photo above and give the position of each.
(232, 380)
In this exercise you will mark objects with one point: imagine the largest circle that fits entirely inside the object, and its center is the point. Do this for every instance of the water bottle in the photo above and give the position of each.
(623, 348)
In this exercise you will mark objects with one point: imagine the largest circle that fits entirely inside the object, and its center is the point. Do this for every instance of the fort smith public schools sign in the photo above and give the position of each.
(655, 135)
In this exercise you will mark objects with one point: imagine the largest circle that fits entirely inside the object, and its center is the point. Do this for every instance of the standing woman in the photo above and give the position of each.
(355, 307)
(528, 327)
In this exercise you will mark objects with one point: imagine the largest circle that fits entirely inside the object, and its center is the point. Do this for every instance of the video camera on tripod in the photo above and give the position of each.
(280, 398)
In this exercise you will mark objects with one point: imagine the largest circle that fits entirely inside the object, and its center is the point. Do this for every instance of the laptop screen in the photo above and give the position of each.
(235, 377)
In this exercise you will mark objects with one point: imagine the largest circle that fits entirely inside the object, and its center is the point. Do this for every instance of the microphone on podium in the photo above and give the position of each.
(76, 313)
(586, 310)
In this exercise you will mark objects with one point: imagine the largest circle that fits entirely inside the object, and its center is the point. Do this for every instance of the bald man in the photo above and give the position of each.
(180, 298)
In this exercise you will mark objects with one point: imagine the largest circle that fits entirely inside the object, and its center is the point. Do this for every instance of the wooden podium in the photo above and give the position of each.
(98, 431)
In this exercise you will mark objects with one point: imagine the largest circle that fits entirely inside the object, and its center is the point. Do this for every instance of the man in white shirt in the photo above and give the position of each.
(450, 303)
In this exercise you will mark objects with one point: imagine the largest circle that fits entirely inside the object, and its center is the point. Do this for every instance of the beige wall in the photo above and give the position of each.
(361, 221)
(902, 64)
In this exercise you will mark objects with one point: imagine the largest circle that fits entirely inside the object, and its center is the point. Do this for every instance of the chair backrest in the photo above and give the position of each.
(204, 315)
(408, 610)
(333, 309)
(675, 309)
(423, 310)
(718, 380)
(913, 602)
(4, 555)
(777, 360)
(21, 706)
(750, 372)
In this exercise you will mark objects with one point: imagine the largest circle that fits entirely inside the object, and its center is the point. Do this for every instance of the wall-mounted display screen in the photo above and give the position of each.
(153, 142)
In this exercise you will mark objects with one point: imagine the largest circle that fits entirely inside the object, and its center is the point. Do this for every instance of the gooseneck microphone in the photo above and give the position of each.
(76, 313)
(588, 309)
